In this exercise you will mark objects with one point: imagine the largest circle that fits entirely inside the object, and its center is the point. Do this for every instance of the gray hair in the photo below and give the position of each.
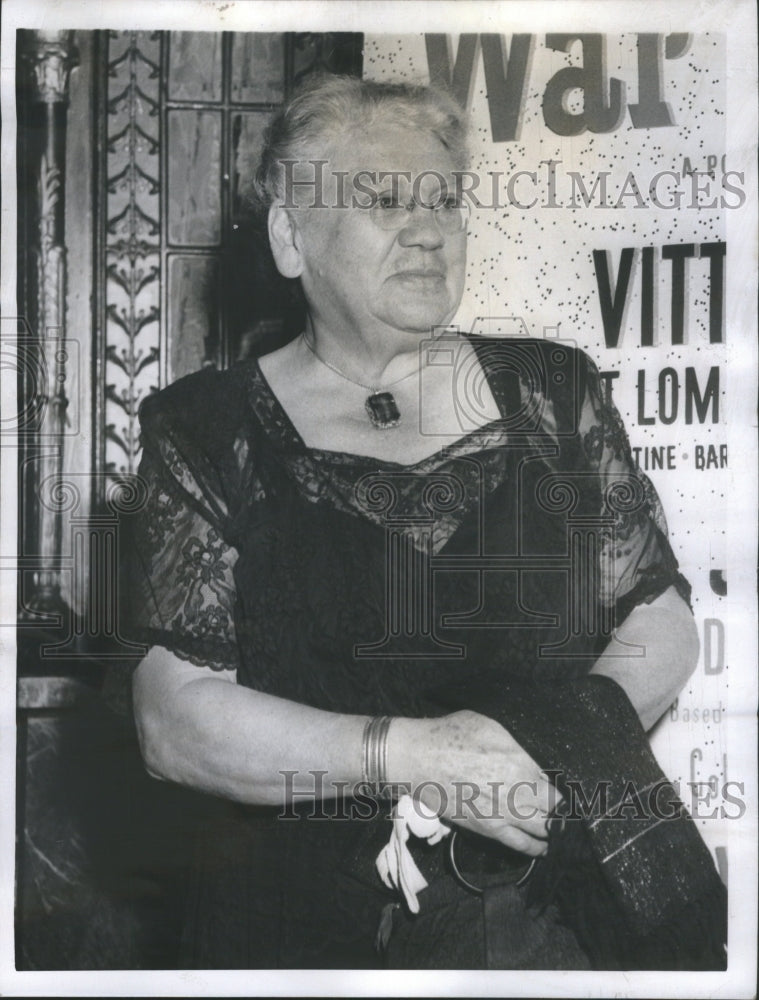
(327, 107)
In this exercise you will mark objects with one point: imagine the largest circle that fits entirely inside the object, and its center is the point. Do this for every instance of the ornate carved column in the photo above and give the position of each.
(46, 59)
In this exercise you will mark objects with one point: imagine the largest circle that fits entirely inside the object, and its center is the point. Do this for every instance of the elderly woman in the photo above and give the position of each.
(389, 554)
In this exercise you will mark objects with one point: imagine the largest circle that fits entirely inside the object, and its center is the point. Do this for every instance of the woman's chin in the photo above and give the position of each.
(421, 319)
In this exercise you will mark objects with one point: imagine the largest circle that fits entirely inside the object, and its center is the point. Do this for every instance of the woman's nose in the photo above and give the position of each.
(421, 229)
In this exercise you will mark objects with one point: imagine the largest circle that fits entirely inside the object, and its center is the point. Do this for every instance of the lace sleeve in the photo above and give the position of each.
(636, 560)
(182, 592)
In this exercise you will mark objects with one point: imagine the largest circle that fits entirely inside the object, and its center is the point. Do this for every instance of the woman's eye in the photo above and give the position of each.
(388, 201)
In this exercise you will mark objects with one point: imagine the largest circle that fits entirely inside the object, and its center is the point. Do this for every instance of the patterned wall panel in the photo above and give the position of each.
(258, 68)
(247, 139)
(132, 240)
(193, 312)
(182, 282)
(194, 177)
(325, 52)
(195, 66)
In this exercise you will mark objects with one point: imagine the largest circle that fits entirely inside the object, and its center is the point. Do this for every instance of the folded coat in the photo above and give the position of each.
(626, 865)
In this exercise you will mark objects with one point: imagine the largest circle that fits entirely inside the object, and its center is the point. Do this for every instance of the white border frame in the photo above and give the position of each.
(737, 18)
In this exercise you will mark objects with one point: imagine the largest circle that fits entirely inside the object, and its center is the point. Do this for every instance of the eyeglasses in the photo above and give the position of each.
(388, 212)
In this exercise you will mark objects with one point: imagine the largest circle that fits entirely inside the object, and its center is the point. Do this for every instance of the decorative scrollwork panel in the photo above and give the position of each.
(132, 240)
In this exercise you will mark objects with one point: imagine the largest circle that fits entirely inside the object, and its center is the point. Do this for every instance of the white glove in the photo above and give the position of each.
(395, 865)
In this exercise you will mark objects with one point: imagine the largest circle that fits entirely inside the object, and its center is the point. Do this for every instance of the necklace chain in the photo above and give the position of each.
(372, 389)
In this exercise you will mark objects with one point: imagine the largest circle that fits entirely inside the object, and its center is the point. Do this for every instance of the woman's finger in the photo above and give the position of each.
(519, 840)
(528, 806)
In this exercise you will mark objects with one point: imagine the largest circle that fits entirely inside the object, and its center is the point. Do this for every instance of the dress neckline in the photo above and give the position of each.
(292, 438)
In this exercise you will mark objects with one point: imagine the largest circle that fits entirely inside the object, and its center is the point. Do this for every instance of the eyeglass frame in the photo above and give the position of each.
(462, 212)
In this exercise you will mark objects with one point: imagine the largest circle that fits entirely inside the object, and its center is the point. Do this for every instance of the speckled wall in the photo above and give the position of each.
(532, 270)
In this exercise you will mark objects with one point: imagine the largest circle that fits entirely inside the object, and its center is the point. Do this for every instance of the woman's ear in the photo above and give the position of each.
(284, 238)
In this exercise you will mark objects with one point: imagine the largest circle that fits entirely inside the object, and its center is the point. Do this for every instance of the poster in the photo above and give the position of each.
(613, 207)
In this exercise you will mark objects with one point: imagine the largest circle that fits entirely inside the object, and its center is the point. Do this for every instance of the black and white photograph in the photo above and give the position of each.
(378, 524)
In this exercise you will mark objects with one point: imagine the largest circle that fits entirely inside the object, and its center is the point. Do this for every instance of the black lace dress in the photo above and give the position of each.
(364, 586)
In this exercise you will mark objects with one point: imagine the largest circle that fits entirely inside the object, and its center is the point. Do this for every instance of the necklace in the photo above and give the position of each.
(379, 404)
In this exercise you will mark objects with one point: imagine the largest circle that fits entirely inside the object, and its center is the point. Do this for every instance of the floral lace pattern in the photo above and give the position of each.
(182, 586)
(252, 491)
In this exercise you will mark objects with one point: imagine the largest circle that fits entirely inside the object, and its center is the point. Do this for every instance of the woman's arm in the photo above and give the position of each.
(666, 655)
(199, 728)
(663, 631)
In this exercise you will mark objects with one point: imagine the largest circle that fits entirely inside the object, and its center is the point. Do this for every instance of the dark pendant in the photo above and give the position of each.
(383, 410)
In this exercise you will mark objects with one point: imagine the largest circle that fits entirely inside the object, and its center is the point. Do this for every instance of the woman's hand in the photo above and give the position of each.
(472, 772)
(200, 729)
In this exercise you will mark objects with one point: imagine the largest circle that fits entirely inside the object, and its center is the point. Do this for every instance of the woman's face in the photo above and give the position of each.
(357, 275)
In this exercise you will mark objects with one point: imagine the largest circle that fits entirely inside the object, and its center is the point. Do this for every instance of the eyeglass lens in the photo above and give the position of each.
(450, 216)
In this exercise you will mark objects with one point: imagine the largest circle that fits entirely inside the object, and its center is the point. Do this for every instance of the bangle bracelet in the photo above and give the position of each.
(365, 752)
(374, 754)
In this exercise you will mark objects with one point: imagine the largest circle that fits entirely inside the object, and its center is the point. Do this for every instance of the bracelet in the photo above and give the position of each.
(374, 754)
